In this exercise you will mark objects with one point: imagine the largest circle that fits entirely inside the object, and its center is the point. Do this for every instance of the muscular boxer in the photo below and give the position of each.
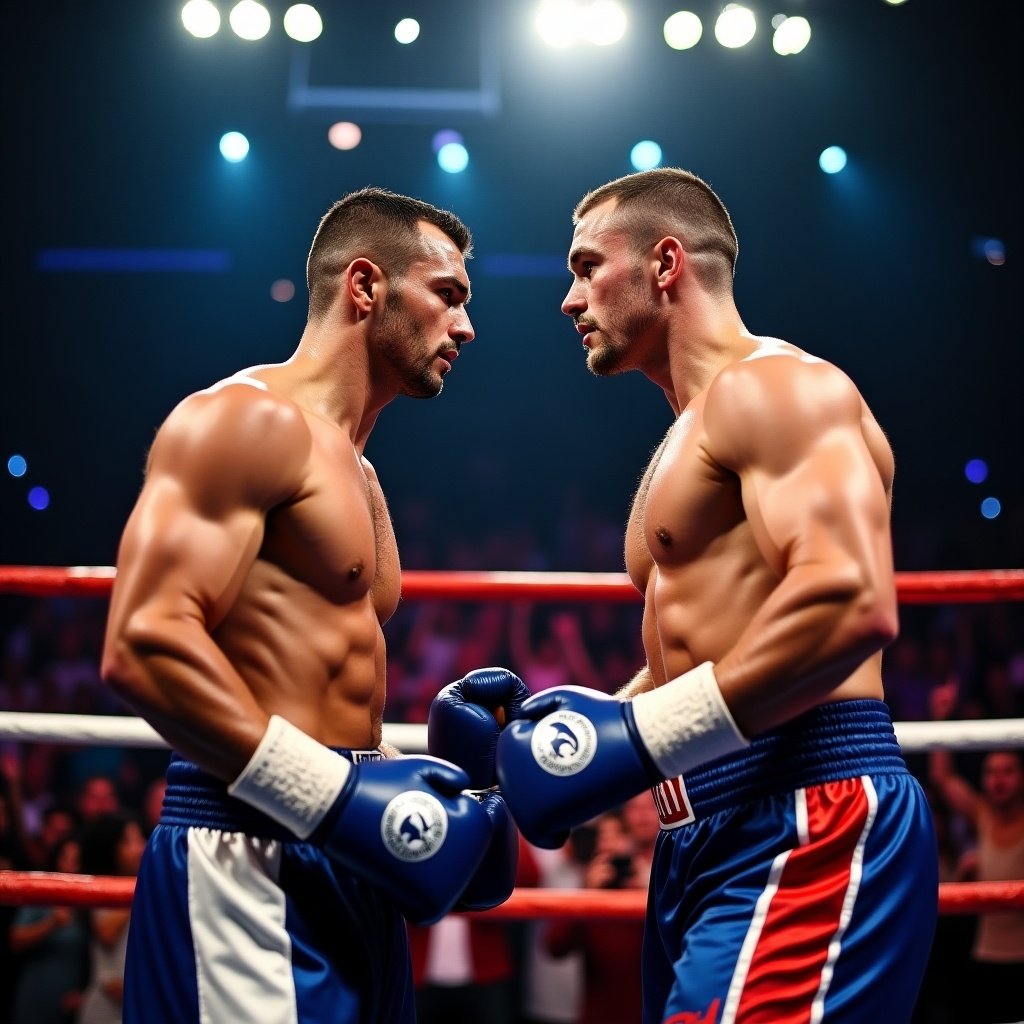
(255, 574)
(795, 875)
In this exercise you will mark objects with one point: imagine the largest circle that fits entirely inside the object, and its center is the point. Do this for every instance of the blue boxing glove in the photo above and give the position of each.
(574, 753)
(496, 877)
(463, 724)
(402, 824)
(463, 727)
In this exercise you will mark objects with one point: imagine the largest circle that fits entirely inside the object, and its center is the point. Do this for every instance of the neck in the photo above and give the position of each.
(698, 345)
(329, 374)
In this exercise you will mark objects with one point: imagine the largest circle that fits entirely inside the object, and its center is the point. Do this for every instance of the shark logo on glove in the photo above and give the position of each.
(564, 743)
(414, 826)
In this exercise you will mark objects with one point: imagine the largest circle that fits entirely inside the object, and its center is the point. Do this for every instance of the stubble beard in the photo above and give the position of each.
(403, 343)
(611, 355)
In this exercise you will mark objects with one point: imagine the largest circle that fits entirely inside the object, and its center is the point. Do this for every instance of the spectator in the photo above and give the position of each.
(610, 949)
(97, 796)
(112, 844)
(52, 944)
(465, 968)
(996, 813)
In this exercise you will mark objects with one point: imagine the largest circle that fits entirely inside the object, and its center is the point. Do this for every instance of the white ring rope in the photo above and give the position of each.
(117, 730)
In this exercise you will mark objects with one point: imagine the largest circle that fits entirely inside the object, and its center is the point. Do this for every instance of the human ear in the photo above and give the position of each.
(671, 258)
(361, 277)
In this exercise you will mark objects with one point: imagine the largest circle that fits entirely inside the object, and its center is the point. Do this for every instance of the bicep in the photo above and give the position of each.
(214, 472)
(828, 503)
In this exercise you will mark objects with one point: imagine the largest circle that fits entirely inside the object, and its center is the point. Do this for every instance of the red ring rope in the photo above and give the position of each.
(940, 587)
(34, 888)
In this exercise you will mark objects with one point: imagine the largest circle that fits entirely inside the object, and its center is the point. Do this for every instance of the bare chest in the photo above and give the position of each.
(336, 537)
(686, 504)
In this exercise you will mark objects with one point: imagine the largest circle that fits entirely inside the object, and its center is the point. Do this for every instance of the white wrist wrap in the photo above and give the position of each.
(686, 722)
(291, 777)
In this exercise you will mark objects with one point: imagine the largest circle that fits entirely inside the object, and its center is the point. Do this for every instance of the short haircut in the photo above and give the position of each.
(378, 225)
(671, 201)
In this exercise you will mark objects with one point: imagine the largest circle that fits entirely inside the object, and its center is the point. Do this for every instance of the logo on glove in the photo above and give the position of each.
(564, 743)
(414, 826)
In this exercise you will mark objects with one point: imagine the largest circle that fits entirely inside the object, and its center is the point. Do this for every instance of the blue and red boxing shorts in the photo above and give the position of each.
(795, 882)
(234, 919)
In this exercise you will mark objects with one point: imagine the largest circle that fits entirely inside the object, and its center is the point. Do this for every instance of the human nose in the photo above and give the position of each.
(461, 330)
(574, 304)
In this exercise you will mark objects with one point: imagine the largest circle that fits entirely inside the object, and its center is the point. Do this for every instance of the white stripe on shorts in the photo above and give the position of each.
(237, 912)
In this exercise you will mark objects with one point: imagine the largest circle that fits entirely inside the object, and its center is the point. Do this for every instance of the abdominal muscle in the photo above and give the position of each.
(317, 662)
(697, 611)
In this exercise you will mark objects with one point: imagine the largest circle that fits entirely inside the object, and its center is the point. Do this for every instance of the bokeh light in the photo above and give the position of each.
(407, 30)
(976, 471)
(645, 155)
(17, 465)
(344, 135)
(39, 498)
(234, 146)
(453, 157)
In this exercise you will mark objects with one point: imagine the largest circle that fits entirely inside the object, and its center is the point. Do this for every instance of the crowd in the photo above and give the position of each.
(89, 808)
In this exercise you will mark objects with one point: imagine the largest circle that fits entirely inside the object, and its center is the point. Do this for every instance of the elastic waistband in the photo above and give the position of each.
(195, 799)
(833, 741)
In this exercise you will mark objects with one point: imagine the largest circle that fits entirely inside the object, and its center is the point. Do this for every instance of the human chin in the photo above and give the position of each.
(606, 360)
(426, 384)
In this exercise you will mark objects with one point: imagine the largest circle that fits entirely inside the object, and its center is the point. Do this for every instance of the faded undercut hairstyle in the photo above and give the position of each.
(378, 225)
(671, 201)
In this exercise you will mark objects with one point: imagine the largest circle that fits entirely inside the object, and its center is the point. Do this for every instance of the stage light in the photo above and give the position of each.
(791, 35)
(249, 20)
(991, 507)
(200, 18)
(407, 30)
(453, 157)
(344, 135)
(832, 159)
(303, 23)
(39, 498)
(234, 146)
(976, 471)
(735, 26)
(683, 30)
(645, 155)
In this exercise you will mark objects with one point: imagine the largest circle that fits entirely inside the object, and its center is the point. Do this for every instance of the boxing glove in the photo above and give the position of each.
(495, 878)
(574, 753)
(402, 824)
(462, 727)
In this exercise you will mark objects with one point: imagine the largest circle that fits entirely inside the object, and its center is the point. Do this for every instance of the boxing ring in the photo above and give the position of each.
(940, 587)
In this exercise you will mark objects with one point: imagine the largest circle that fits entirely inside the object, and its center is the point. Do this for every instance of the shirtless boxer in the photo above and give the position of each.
(255, 574)
(795, 875)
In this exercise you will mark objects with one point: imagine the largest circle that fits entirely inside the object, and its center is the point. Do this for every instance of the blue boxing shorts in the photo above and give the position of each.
(234, 920)
(795, 882)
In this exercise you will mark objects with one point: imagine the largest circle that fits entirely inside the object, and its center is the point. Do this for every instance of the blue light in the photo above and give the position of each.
(991, 507)
(234, 146)
(39, 498)
(453, 157)
(832, 159)
(976, 471)
(645, 155)
(17, 466)
(443, 137)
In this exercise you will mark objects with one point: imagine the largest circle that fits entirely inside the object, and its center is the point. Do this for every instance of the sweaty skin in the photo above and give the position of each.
(759, 535)
(259, 564)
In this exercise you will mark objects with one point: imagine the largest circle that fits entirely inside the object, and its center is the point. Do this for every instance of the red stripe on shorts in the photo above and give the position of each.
(804, 915)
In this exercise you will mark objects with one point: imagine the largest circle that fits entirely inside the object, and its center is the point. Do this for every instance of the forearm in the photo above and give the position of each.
(815, 629)
(179, 680)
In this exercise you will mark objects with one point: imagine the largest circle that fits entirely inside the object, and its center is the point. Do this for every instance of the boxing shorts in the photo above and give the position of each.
(234, 919)
(795, 881)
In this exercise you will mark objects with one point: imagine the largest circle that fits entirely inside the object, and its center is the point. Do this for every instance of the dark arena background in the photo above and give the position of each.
(163, 180)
